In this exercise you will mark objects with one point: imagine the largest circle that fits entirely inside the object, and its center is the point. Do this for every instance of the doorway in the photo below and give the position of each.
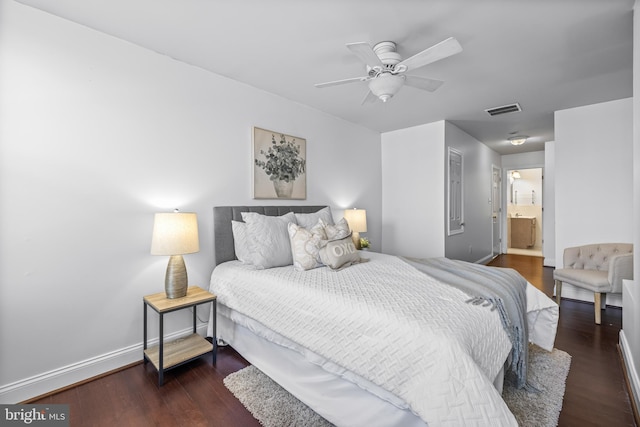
(524, 211)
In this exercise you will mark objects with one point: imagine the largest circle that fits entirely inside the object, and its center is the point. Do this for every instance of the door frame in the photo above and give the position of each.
(496, 214)
(505, 201)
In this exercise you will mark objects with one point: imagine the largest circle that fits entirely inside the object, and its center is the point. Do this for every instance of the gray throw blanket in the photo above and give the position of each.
(503, 289)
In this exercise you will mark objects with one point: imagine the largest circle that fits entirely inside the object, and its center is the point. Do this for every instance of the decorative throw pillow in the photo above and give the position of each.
(309, 220)
(305, 246)
(338, 230)
(241, 242)
(339, 254)
(269, 239)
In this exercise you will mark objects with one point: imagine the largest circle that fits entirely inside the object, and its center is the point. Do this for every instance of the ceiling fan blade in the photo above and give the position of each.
(423, 83)
(363, 51)
(435, 53)
(369, 98)
(341, 82)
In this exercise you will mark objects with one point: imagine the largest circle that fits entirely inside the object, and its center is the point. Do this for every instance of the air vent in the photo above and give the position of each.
(511, 108)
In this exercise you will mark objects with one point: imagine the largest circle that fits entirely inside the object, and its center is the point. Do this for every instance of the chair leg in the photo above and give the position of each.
(558, 291)
(596, 304)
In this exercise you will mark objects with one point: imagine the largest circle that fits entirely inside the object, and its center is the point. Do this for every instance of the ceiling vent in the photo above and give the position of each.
(511, 108)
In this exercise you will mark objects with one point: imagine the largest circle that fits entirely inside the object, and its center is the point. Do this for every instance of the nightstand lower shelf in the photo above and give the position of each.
(165, 356)
(179, 351)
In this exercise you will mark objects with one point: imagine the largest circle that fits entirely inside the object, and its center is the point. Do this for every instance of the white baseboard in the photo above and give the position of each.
(484, 260)
(632, 373)
(46, 382)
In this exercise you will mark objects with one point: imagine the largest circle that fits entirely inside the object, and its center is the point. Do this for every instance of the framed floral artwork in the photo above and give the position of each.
(279, 165)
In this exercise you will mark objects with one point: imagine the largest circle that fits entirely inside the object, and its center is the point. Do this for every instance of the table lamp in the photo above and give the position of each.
(357, 219)
(175, 234)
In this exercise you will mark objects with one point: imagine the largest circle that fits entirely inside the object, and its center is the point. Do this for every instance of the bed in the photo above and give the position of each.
(379, 343)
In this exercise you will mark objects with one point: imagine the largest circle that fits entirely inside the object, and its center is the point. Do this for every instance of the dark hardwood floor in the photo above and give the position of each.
(194, 394)
(596, 393)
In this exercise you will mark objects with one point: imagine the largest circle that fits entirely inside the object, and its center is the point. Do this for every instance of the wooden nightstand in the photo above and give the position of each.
(183, 350)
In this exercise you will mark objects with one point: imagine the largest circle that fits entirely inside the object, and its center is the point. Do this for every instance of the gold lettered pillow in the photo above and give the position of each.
(340, 253)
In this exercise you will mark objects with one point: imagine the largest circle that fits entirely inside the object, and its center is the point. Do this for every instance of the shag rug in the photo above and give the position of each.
(273, 406)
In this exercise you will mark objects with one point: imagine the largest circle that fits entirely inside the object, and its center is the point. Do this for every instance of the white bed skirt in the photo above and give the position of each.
(338, 400)
(341, 401)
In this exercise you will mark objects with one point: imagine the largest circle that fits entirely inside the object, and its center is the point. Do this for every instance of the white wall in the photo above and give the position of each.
(630, 333)
(594, 179)
(413, 193)
(476, 242)
(532, 159)
(413, 196)
(96, 135)
(549, 204)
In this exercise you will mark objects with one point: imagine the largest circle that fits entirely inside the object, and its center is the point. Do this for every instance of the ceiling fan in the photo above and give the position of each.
(386, 69)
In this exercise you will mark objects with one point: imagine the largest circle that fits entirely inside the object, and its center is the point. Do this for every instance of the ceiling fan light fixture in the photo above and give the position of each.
(386, 85)
(518, 140)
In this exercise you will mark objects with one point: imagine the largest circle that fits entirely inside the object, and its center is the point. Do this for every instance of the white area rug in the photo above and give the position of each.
(275, 407)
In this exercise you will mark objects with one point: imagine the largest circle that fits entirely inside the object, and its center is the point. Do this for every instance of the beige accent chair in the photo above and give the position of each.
(599, 268)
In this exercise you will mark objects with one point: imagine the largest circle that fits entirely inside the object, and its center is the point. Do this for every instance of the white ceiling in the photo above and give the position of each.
(546, 55)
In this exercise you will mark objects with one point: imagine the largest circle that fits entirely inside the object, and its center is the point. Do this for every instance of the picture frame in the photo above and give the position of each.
(279, 165)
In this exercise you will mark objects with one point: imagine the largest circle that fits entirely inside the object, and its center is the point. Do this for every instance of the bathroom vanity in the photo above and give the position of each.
(523, 232)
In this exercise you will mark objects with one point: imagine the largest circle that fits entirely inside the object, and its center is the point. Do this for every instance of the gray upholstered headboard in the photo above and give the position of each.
(223, 235)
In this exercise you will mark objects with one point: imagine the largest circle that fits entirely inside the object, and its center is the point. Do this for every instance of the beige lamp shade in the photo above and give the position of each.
(357, 219)
(175, 233)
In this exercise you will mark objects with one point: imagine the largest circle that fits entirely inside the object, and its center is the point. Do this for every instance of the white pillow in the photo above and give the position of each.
(338, 230)
(241, 242)
(305, 246)
(340, 253)
(269, 239)
(309, 220)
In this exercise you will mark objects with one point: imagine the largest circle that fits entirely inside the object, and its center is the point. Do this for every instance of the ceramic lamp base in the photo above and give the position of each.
(175, 281)
(356, 239)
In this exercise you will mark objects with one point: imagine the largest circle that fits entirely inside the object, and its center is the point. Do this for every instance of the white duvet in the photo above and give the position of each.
(390, 324)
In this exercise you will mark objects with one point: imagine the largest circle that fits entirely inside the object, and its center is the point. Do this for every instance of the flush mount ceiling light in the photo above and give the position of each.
(518, 140)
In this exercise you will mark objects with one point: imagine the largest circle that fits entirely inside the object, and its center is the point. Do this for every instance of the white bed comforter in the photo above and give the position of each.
(388, 323)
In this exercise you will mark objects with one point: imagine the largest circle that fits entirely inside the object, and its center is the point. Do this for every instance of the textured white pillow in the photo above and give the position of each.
(338, 230)
(309, 220)
(269, 239)
(305, 246)
(340, 253)
(241, 242)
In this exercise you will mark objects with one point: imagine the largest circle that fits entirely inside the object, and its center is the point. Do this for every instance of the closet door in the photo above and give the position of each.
(455, 223)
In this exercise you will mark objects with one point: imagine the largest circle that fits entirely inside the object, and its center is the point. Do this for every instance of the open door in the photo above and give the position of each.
(496, 209)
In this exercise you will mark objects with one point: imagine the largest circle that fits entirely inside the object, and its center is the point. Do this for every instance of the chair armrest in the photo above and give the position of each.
(620, 267)
(570, 256)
